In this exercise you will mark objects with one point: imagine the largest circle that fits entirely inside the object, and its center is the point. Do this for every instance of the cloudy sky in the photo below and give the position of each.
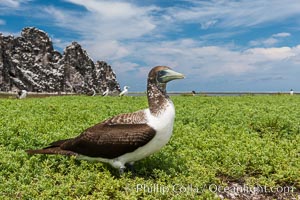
(220, 45)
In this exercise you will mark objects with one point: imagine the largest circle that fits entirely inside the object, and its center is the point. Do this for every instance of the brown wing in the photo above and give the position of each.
(138, 117)
(116, 136)
(110, 141)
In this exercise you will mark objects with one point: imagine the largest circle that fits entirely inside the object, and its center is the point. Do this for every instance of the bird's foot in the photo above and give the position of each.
(122, 170)
(130, 166)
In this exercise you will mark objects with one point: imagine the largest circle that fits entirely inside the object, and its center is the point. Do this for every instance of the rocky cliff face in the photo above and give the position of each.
(29, 62)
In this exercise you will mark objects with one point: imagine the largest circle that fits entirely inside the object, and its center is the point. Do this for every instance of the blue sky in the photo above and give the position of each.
(220, 45)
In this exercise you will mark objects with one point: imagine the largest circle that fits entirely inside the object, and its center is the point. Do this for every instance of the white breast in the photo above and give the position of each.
(163, 125)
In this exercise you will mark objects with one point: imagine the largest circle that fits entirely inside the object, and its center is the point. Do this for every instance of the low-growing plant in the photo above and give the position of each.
(217, 141)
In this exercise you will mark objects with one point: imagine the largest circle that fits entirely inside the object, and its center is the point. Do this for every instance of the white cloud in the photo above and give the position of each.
(10, 3)
(13, 3)
(124, 67)
(212, 61)
(2, 22)
(106, 49)
(231, 13)
(270, 54)
(111, 10)
(264, 42)
(133, 38)
(208, 24)
(106, 25)
(283, 34)
(12, 6)
(274, 39)
(112, 29)
(106, 20)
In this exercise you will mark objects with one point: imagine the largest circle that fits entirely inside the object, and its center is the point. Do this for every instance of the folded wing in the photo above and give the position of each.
(112, 138)
(110, 141)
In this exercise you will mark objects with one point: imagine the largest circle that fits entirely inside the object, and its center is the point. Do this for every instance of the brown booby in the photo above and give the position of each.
(124, 92)
(128, 137)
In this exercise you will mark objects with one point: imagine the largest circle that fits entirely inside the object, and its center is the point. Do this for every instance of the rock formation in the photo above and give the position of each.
(29, 62)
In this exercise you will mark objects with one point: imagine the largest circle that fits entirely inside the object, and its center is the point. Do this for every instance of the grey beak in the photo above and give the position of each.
(169, 75)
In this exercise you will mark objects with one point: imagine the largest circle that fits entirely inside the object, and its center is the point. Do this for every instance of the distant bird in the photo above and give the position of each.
(106, 92)
(124, 92)
(291, 92)
(126, 138)
(22, 94)
(193, 93)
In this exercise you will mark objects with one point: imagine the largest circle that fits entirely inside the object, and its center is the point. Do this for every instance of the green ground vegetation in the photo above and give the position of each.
(252, 140)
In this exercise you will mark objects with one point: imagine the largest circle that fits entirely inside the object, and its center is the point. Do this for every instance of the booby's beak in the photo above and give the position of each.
(167, 75)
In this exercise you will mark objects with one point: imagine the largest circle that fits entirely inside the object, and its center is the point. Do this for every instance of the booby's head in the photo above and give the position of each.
(126, 87)
(163, 74)
(156, 88)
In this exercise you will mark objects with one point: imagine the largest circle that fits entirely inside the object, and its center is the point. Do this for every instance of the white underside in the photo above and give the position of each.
(162, 124)
(124, 92)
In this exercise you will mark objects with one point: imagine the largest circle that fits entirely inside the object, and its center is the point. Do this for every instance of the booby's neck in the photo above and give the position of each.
(157, 97)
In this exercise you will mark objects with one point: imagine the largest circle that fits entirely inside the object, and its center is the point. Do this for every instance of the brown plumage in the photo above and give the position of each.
(128, 137)
(110, 139)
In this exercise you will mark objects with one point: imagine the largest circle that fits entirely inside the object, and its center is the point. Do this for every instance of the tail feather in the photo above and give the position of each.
(54, 148)
(51, 150)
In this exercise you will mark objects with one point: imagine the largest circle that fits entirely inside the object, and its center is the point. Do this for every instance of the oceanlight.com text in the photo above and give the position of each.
(177, 189)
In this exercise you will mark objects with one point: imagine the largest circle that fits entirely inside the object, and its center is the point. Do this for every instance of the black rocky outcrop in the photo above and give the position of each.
(29, 62)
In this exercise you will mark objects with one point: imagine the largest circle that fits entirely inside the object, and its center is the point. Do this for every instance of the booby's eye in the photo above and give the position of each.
(162, 73)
